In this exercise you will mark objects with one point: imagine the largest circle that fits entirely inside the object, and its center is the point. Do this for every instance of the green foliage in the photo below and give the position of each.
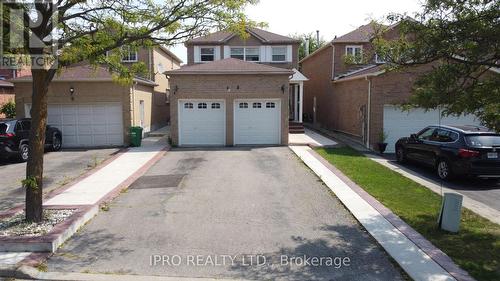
(30, 182)
(9, 109)
(476, 248)
(313, 44)
(460, 40)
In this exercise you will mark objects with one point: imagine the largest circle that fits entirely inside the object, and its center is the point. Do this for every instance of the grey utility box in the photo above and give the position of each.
(449, 218)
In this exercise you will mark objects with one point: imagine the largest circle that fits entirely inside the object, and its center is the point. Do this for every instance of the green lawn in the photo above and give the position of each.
(476, 248)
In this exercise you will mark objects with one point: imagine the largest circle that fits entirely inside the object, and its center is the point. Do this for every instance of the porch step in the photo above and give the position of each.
(296, 128)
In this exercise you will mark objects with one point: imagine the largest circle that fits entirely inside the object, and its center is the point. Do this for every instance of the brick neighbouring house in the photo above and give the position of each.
(7, 88)
(361, 101)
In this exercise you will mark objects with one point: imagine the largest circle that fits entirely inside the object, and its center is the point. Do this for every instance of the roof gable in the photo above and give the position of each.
(223, 36)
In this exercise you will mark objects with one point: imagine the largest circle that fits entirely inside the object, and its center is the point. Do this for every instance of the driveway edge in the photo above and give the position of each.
(425, 245)
(395, 238)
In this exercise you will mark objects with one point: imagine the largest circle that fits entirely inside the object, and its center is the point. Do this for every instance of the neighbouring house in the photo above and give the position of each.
(361, 100)
(236, 91)
(6, 87)
(93, 110)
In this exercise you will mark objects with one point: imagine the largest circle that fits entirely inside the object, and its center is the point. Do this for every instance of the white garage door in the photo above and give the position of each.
(87, 125)
(257, 122)
(398, 124)
(202, 122)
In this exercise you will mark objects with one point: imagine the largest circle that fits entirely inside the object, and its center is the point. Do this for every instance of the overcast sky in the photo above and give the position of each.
(330, 17)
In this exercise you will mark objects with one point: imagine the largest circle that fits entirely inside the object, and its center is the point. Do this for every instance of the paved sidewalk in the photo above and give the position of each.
(407, 254)
(469, 203)
(310, 138)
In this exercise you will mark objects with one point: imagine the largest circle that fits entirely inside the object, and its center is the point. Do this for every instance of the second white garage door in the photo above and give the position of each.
(202, 122)
(257, 122)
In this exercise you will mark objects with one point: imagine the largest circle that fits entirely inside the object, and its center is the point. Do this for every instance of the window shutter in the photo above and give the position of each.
(263, 56)
(269, 53)
(289, 53)
(227, 52)
(217, 52)
(197, 57)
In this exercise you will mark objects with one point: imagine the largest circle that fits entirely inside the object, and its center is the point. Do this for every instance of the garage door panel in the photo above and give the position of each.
(202, 126)
(254, 125)
(86, 125)
(398, 124)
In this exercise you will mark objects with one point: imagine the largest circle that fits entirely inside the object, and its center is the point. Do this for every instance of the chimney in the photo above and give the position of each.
(306, 47)
(317, 38)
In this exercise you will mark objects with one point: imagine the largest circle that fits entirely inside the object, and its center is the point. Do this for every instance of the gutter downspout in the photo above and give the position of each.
(368, 113)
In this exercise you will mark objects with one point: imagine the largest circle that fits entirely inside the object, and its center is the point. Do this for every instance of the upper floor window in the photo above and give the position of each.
(278, 54)
(355, 51)
(379, 59)
(207, 54)
(129, 54)
(247, 53)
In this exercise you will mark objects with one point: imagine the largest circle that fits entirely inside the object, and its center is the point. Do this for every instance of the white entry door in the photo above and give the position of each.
(86, 125)
(257, 122)
(398, 124)
(202, 122)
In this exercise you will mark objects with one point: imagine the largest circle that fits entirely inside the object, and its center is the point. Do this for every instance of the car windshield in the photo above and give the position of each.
(483, 140)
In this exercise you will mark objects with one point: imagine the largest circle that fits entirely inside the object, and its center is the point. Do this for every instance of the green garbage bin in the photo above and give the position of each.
(135, 136)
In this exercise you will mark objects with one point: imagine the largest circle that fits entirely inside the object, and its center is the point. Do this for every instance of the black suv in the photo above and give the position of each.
(14, 136)
(454, 150)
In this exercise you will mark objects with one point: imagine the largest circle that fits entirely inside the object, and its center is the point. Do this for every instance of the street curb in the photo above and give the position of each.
(425, 245)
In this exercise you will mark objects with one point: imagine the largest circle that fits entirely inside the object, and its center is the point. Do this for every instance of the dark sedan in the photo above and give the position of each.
(14, 137)
(453, 151)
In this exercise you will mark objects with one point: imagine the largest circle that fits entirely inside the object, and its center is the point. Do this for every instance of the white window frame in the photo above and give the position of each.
(208, 47)
(354, 47)
(286, 54)
(128, 56)
(245, 52)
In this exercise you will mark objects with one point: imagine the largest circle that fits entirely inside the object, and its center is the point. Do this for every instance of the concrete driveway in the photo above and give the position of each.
(227, 213)
(59, 168)
(481, 190)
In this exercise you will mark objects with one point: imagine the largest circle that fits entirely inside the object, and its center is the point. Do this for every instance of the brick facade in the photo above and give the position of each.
(6, 95)
(215, 87)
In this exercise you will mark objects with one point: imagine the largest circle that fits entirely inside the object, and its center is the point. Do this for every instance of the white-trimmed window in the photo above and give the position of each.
(257, 105)
(207, 53)
(245, 53)
(278, 54)
(188, 105)
(355, 51)
(215, 105)
(202, 105)
(270, 105)
(243, 105)
(379, 59)
(129, 54)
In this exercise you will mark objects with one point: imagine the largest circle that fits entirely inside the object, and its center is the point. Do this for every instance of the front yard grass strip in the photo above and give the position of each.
(476, 248)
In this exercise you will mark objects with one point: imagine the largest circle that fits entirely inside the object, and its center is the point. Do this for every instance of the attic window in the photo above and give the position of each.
(207, 54)
(355, 51)
(129, 54)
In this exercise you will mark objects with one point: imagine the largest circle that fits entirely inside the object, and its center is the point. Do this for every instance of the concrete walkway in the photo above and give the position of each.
(408, 255)
(97, 186)
(471, 204)
(310, 138)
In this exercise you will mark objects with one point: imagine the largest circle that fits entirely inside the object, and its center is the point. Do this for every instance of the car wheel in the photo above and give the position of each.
(444, 170)
(23, 152)
(56, 143)
(400, 154)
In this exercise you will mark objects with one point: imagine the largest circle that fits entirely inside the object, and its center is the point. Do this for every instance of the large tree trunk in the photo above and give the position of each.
(34, 168)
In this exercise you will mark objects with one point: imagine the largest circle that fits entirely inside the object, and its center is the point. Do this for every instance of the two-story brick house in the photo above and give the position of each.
(236, 91)
(92, 110)
(360, 100)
